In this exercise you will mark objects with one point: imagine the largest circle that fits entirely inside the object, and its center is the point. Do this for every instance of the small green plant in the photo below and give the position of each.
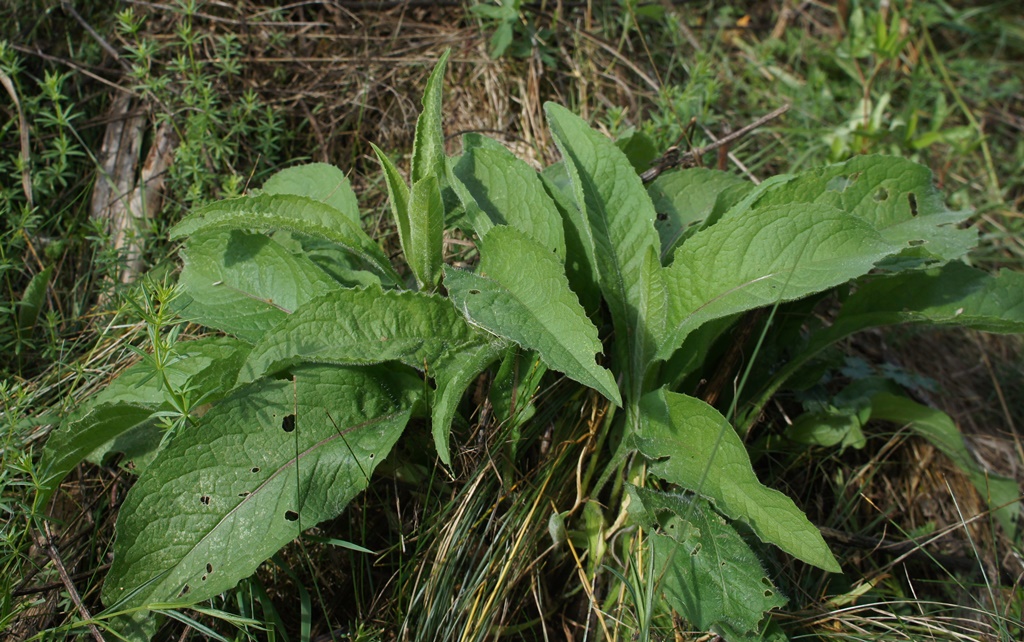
(332, 353)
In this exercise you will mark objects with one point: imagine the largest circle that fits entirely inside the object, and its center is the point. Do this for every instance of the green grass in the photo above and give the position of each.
(475, 557)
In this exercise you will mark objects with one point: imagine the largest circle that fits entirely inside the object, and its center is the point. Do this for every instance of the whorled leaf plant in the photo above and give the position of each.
(331, 349)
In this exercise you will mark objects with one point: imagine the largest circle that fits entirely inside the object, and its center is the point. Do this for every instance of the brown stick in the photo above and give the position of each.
(672, 158)
(51, 551)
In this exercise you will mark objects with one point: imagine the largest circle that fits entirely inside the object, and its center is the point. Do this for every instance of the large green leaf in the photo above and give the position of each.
(320, 182)
(1000, 493)
(245, 284)
(689, 443)
(894, 195)
(520, 293)
(509, 191)
(398, 196)
(685, 198)
(127, 405)
(275, 458)
(749, 260)
(619, 223)
(452, 382)
(954, 294)
(300, 214)
(367, 326)
(708, 573)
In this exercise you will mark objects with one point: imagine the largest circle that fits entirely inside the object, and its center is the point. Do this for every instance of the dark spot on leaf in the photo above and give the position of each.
(880, 194)
(291, 515)
(916, 243)
(209, 567)
(696, 549)
(913, 203)
(288, 423)
(662, 216)
(371, 455)
(244, 493)
(768, 594)
(474, 291)
(184, 590)
(205, 500)
(254, 469)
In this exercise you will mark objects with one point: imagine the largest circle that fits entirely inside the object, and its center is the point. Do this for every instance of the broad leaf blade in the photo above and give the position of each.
(620, 219)
(750, 260)
(520, 293)
(245, 284)
(894, 195)
(128, 403)
(452, 382)
(708, 573)
(223, 498)
(320, 182)
(300, 214)
(686, 198)
(954, 294)
(509, 191)
(75, 440)
(368, 326)
(689, 443)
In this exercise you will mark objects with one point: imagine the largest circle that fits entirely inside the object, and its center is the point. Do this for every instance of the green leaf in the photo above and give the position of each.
(755, 259)
(367, 326)
(452, 382)
(275, 458)
(954, 294)
(520, 293)
(320, 182)
(1000, 493)
(299, 214)
(426, 232)
(894, 195)
(126, 406)
(428, 154)
(708, 573)
(245, 284)
(76, 439)
(509, 191)
(686, 198)
(32, 299)
(619, 225)
(689, 443)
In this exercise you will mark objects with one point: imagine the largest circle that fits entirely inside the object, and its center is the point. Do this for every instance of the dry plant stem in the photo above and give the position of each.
(67, 7)
(672, 158)
(26, 178)
(51, 551)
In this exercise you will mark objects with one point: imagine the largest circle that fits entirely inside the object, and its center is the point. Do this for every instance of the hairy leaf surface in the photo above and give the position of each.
(788, 252)
(300, 214)
(426, 232)
(428, 155)
(707, 572)
(619, 220)
(319, 181)
(509, 191)
(366, 326)
(689, 443)
(683, 199)
(520, 293)
(894, 195)
(128, 403)
(245, 284)
(277, 457)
